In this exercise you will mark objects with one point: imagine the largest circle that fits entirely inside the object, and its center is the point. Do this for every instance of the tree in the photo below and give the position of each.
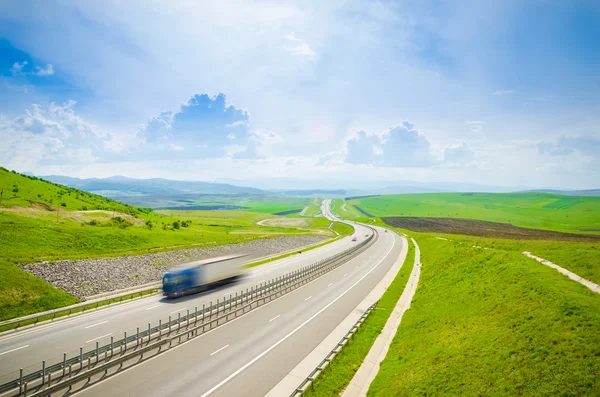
(176, 225)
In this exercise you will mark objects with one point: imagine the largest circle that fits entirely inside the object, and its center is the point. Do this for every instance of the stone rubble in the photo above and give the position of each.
(88, 277)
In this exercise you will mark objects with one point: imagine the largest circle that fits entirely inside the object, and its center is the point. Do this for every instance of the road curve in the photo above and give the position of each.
(249, 355)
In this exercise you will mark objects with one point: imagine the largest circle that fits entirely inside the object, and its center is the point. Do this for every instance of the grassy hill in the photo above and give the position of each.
(533, 210)
(25, 191)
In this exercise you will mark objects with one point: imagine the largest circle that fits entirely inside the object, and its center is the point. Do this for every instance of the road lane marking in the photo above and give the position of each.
(280, 341)
(345, 274)
(180, 310)
(152, 307)
(330, 284)
(275, 318)
(94, 325)
(215, 352)
(307, 298)
(100, 337)
(13, 350)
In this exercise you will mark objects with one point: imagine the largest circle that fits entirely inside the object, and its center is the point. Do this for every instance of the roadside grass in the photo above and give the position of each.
(491, 322)
(344, 210)
(342, 229)
(76, 310)
(533, 210)
(338, 374)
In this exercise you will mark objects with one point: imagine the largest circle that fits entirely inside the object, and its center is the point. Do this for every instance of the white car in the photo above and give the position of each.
(353, 238)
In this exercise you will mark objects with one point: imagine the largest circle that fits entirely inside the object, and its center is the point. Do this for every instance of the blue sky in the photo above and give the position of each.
(504, 93)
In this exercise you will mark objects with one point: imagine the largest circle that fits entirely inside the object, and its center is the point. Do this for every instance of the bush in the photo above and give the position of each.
(149, 224)
(120, 222)
(63, 205)
(15, 189)
(84, 208)
(176, 225)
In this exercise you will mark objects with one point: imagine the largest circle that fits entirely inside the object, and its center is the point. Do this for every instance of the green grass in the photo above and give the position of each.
(342, 229)
(342, 368)
(344, 210)
(533, 210)
(492, 322)
(21, 190)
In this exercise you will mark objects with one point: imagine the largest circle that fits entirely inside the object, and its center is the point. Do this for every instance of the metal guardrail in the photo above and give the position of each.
(66, 371)
(308, 381)
(52, 314)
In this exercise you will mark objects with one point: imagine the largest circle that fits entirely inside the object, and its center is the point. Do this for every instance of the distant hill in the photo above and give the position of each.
(20, 190)
(120, 186)
(588, 192)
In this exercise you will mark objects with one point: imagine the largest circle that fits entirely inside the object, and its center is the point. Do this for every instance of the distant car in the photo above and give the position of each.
(353, 238)
(366, 235)
(386, 230)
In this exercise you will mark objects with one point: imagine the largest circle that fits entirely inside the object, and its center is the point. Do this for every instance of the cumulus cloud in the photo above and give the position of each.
(18, 69)
(52, 134)
(564, 145)
(298, 47)
(204, 127)
(399, 146)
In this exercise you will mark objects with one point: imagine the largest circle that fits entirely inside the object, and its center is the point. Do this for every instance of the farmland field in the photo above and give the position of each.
(569, 214)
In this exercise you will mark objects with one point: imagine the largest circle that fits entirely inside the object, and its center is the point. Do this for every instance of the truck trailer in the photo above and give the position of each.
(198, 276)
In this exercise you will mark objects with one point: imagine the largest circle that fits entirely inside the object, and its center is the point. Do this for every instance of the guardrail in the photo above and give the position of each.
(65, 371)
(327, 360)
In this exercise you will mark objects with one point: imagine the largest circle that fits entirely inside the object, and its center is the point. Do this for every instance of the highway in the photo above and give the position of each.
(49, 342)
(246, 356)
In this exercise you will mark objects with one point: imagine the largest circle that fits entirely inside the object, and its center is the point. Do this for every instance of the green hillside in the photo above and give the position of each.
(25, 191)
(533, 210)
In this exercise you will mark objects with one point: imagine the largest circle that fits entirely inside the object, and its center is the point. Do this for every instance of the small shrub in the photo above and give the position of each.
(15, 189)
(176, 225)
(63, 205)
(149, 224)
(84, 208)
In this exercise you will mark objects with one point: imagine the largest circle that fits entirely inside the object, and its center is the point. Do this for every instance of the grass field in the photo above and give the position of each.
(492, 322)
(344, 210)
(342, 368)
(533, 210)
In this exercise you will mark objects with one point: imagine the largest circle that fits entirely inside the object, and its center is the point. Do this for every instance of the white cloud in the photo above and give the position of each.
(458, 154)
(300, 48)
(503, 92)
(565, 145)
(17, 68)
(48, 71)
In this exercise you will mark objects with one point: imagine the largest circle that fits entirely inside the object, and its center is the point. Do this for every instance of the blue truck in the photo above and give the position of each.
(198, 276)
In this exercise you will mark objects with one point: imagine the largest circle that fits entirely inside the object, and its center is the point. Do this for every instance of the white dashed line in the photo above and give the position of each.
(94, 325)
(215, 352)
(307, 298)
(152, 307)
(100, 337)
(180, 310)
(275, 318)
(18, 348)
(345, 274)
(330, 284)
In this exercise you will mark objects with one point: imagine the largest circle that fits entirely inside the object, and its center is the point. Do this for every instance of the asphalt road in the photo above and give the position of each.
(48, 342)
(250, 355)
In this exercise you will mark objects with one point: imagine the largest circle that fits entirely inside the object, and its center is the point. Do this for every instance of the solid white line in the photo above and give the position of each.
(152, 307)
(330, 284)
(179, 310)
(18, 348)
(307, 298)
(275, 318)
(280, 341)
(93, 325)
(215, 352)
(100, 337)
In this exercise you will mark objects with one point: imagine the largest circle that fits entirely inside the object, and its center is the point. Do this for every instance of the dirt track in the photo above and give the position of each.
(481, 228)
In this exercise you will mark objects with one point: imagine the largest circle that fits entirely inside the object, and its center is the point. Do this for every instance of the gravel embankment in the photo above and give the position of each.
(87, 277)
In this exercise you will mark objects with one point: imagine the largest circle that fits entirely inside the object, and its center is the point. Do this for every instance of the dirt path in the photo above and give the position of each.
(360, 383)
(594, 287)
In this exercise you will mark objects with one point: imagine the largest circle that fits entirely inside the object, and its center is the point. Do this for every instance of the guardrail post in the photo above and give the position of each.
(80, 357)
(169, 325)
(195, 315)
(111, 346)
(43, 372)
(187, 321)
(97, 351)
(64, 365)
(178, 321)
(203, 314)
(124, 342)
(230, 301)
(217, 311)
(148, 332)
(137, 337)
(25, 390)
(21, 381)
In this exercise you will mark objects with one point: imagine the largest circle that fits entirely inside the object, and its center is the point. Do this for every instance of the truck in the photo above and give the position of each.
(199, 276)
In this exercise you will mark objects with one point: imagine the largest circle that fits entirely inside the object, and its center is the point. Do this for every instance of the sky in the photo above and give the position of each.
(487, 92)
